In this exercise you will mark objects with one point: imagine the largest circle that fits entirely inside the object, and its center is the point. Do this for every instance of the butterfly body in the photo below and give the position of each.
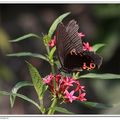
(70, 51)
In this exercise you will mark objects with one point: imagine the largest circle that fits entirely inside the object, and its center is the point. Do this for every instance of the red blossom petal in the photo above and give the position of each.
(81, 34)
(86, 46)
(70, 96)
(52, 42)
(82, 97)
(48, 79)
(58, 77)
(68, 81)
(82, 88)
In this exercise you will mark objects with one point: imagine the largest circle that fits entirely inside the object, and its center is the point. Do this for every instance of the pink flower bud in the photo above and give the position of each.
(52, 42)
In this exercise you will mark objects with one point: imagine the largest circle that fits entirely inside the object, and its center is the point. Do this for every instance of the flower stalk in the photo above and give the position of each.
(52, 68)
(48, 49)
(52, 107)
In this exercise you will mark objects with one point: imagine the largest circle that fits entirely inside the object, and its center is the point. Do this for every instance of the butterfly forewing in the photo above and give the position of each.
(67, 40)
(72, 39)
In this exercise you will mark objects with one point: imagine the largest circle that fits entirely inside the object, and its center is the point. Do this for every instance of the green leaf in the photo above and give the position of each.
(37, 81)
(62, 110)
(21, 96)
(16, 88)
(4, 93)
(55, 23)
(52, 53)
(24, 54)
(101, 76)
(25, 37)
(96, 105)
(96, 47)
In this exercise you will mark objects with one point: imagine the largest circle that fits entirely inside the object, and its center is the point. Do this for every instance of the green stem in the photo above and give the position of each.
(51, 63)
(42, 106)
(48, 49)
(52, 107)
(52, 68)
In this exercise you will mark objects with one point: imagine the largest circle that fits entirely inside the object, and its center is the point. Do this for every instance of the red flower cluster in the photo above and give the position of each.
(66, 88)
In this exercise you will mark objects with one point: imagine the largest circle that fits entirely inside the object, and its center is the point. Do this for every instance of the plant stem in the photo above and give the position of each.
(52, 68)
(51, 63)
(48, 49)
(52, 107)
(42, 106)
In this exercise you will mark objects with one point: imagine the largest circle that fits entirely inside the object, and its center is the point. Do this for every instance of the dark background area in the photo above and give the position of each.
(99, 22)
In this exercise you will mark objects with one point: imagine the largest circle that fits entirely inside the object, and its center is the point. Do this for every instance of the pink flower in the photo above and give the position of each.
(52, 42)
(82, 88)
(48, 79)
(86, 46)
(68, 81)
(82, 97)
(81, 35)
(70, 96)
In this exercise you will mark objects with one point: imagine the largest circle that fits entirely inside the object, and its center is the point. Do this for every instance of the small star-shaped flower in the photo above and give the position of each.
(68, 81)
(82, 97)
(48, 79)
(70, 95)
(81, 34)
(86, 46)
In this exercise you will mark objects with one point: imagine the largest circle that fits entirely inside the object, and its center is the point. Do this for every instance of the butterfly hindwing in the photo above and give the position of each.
(97, 60)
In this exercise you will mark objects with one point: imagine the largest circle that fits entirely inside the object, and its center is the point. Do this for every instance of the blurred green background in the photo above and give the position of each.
(100, 23)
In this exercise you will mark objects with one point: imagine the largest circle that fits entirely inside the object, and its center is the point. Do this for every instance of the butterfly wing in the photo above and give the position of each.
(97, 60)
(61, 31)
(86, 60)
(72, 40)
(67, 40)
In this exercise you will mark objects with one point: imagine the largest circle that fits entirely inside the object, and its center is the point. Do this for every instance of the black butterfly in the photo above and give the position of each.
(70, 50)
